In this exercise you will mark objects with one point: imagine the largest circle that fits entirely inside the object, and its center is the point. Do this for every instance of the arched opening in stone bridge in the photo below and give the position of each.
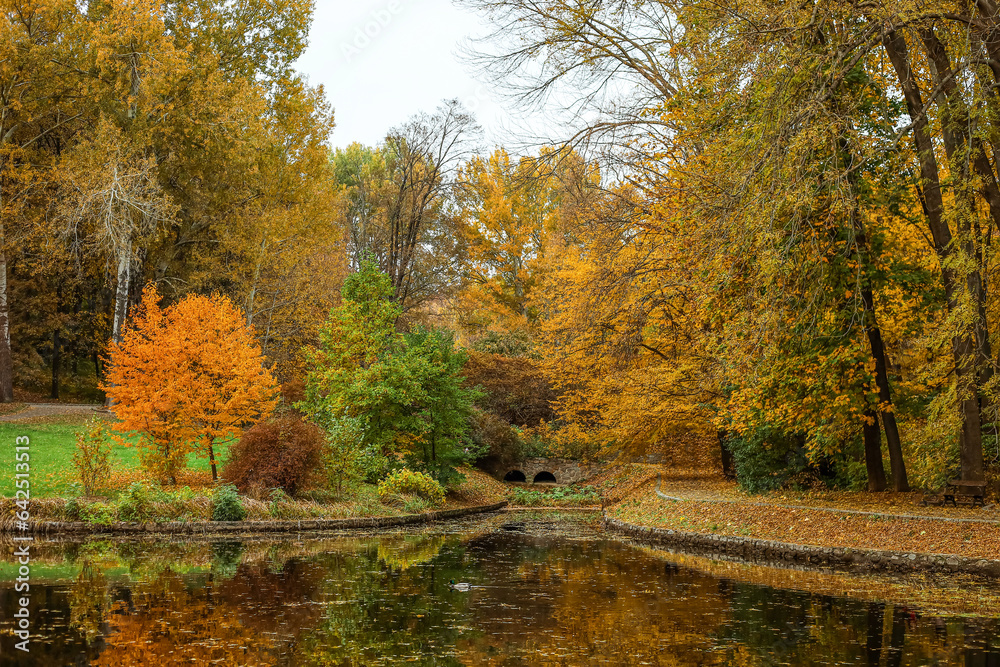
(515, 476)
(544, 476)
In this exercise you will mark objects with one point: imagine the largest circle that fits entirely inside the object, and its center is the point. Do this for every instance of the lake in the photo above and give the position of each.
(544, 590)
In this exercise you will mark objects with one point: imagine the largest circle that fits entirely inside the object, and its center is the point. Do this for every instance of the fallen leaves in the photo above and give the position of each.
(769, 517)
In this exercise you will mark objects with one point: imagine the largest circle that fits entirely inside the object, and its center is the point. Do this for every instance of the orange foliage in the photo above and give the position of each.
(186, 375)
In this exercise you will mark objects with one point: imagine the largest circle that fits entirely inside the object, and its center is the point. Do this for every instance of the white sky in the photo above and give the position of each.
(382, 61)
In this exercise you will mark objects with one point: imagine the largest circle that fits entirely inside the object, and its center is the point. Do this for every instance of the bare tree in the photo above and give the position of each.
(400, 199)
(112, 201)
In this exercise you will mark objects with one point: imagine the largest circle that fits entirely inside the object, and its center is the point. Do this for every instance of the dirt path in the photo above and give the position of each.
(37, 410)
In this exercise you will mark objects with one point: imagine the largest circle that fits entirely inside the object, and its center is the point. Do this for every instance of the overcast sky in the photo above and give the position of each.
(381, 61)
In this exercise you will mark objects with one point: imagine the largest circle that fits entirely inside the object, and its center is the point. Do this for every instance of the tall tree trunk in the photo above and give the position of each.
(963, 345)
(728, 463)
(886, 410)
(121, 298)
(873, 451)
(122, 291)
(874, 333)
(56, 362)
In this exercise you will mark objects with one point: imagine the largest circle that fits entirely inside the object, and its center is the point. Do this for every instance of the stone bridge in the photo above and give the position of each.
(553, 471)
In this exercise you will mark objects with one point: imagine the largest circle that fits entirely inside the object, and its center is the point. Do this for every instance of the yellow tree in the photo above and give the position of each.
(284, 248)
(36, 100)
(185, 376)
(512, 212)
(622, 330)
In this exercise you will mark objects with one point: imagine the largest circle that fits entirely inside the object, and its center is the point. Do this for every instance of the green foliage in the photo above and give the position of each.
(135, 504)
(73, 510)
(226, 504)
(766, 459)
(384, 392)
(375, 465)
(342, 455)
(562, 495)
(99, 513)
(444, 409)
(412, 482)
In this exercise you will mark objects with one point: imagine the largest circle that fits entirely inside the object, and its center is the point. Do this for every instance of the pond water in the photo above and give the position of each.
(543, 592)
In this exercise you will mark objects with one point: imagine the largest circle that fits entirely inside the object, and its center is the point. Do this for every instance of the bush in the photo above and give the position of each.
(73, 510)
(767, 459)
(98, 513)
(226, 504)
(135, 504)
(417, 483)
(279, 454)
(92, 456)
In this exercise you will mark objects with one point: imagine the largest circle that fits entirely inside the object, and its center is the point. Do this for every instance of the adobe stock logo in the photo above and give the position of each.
(377, 21)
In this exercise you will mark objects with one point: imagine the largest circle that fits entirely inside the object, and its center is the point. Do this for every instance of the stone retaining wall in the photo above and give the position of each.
(45, 528)
(784, 554)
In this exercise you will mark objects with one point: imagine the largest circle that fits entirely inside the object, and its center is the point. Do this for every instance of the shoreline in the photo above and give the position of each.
(761, 551)
(62, 528)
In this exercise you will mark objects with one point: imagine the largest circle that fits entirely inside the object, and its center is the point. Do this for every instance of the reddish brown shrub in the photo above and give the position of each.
(281, 453)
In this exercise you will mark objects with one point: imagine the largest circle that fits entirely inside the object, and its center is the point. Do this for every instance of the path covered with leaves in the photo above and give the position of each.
(707, 504)
(30, 412)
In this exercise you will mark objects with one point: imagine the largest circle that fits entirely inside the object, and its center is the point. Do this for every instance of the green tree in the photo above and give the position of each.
(403, 392)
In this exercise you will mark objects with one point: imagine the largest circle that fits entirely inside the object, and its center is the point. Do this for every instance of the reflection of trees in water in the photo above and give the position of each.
(382, 611)
(772, 626)
(401, 552)
(537, 598)
(89, 602)
(587, 601)
(169, 621)
(226, 558)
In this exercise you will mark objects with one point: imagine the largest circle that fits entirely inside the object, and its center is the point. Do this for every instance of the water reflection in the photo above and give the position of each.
(542, 593)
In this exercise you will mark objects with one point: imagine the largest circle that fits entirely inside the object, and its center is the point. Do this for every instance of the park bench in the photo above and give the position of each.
(958, 488)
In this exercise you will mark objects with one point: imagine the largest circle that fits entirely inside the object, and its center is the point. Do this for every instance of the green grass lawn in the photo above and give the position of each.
(53, 443)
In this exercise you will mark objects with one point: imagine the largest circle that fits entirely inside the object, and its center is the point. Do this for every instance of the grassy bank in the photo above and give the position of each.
(52, 444)
(144, 502)
(575, 495)
(132, 496)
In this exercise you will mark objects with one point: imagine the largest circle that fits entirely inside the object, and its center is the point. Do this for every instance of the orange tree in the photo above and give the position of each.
(186, 375)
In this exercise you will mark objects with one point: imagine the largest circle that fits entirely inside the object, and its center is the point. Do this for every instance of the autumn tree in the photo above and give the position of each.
(36, 103)
(397, 196)
(770, 138)
(205, 149)
(185, 376)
